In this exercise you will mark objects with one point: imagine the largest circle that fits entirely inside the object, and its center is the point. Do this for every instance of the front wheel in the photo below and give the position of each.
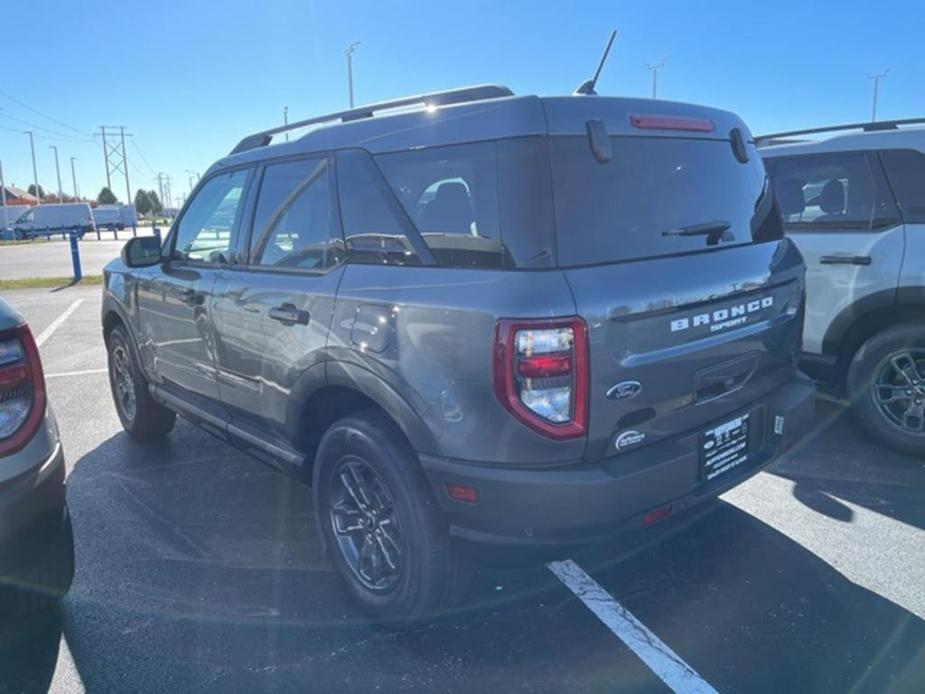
(379, 521)
(886, 384)
(142, 417)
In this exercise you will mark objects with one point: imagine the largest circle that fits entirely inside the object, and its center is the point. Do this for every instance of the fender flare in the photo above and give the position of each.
(374, 387)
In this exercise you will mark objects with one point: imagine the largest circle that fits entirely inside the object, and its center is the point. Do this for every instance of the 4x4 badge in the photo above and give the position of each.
(624, 390)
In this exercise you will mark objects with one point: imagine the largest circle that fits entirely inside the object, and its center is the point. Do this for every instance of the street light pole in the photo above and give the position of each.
(35, 171)
(349, 53)
(58, 173)
(876, 78)
(655, 68)
(286, 119)
(74, 178)
(6, 219)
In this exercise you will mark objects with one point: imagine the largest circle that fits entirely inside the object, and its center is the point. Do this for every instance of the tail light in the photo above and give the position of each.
(654, 122)
(22, 389)
(541, 374)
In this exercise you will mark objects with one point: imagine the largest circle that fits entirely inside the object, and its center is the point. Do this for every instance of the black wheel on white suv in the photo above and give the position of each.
(886, 384)
(380, 523)
(142, 417)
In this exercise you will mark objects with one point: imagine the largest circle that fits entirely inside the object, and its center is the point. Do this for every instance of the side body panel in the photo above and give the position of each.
(427, 334)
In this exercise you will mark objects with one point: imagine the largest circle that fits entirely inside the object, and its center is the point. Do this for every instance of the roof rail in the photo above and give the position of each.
(869, 126)
(451, 96)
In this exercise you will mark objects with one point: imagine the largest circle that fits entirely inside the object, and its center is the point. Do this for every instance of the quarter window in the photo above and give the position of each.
(205, 229)
(294, 224)
(906, 171)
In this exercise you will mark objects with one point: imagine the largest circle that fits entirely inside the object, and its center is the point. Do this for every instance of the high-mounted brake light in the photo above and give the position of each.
(646, 122)
(541, 374)
(22, 389)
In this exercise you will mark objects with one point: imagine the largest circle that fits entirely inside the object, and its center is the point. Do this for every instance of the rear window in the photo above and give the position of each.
(635, 205)
(479, 205)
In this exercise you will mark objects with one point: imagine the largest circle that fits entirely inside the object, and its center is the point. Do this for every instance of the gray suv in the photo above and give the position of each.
(475, 320)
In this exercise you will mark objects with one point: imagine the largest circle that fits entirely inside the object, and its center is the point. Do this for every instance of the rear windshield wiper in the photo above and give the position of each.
(715, 231)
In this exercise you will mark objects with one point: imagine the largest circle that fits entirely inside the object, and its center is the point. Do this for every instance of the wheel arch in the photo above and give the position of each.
(346, 389)
(868, 316)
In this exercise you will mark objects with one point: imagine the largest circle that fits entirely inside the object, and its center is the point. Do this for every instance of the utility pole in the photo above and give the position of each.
(655, 68)
(58, 172)
(35, 171)
(74, 178)
(349, 53)
(128, 188)
(876, 78)
(106, 156)
(285, 120)
(6, 219)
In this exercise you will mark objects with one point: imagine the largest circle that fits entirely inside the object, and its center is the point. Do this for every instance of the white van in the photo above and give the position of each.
(8, 215)
(44, 220)
(114, 216)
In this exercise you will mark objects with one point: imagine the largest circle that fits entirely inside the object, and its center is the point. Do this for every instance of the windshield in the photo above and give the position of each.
(652, 196)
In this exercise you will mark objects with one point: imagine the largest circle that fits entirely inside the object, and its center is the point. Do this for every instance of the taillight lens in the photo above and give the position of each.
(22, 389)
(541, 374)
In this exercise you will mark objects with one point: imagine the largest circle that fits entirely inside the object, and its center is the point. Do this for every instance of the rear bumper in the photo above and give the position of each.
(33, 516)
(584, 504)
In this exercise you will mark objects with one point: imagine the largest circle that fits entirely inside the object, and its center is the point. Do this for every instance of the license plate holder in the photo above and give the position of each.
(724, 447)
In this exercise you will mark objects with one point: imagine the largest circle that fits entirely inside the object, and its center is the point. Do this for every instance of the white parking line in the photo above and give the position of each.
(664, 662)
(85, 372)
(49, 331)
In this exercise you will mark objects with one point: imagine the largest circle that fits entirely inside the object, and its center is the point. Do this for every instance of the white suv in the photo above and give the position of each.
(854, 203)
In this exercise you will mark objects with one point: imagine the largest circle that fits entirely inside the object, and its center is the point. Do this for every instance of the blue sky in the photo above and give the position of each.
(188, 80)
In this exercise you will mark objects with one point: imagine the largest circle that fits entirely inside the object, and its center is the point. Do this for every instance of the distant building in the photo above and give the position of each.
(17, 196)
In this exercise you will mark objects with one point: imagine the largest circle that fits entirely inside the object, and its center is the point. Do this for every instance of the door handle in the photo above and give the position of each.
(845, 260)
(288, 314)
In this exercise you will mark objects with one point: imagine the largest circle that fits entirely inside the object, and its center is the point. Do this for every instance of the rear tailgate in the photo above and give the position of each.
(671, 241)
(677, 343)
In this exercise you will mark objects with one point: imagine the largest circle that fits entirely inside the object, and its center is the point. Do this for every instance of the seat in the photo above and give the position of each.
(450, 211)
(832, 201)
(790, 197)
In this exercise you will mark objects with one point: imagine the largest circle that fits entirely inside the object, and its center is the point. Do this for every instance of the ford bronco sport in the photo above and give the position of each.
(491, 320)
(853, 200)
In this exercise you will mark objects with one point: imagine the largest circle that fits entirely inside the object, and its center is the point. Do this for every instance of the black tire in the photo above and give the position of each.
(430, 572)
(891, 365)
(41, 587)
(143, 418)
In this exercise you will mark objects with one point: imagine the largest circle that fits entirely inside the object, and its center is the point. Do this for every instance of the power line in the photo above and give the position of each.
(60, 136)
(138, 149)
(44, 115)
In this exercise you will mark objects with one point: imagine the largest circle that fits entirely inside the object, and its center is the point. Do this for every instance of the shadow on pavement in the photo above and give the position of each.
(29, 652)
(838, 463)
(199, 570)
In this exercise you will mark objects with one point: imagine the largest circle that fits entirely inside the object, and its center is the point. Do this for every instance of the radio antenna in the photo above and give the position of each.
(587, 87)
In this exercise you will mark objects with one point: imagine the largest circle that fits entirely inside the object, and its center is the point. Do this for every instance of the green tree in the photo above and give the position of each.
(106, 197)
(154, 203)
(142, 202)
(31, 190)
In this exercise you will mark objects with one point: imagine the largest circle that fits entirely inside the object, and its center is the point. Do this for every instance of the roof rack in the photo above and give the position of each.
(869, 126)
(451, 96)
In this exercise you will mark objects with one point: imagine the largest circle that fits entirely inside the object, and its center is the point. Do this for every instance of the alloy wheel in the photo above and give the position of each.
(124, 382)
(899, 390)
(365, 525)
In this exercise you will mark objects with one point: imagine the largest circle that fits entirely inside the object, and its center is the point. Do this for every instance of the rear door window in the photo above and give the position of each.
(842, 190)
(906, 171)
(294, 223)
(654, 190)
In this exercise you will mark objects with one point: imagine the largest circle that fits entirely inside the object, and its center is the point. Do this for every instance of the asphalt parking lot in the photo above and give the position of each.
(52, 258)
(198, 570)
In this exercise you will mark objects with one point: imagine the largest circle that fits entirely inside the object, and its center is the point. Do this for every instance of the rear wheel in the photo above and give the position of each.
(142, 417)
(378, 519)
(886, 384)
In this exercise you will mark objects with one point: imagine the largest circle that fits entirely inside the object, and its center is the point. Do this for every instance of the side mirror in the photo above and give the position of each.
(142, 251)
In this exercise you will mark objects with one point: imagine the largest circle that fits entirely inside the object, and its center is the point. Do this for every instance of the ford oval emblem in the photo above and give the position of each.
(624, 390)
